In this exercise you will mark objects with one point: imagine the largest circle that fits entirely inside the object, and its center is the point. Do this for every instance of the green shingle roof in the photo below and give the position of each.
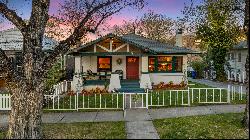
(153, 47)
(156, 46)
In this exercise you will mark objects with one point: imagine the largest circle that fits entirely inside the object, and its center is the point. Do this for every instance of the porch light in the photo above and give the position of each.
(146, 49)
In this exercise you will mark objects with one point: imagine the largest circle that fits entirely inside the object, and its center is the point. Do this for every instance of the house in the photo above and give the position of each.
(11, 41)
(129, 63)
(236, 60)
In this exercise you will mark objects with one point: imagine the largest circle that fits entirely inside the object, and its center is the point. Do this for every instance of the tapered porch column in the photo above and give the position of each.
(145, 81)
(77, 79)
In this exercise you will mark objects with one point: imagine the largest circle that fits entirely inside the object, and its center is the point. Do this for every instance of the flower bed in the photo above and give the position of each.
(94, 91)
(170, 86)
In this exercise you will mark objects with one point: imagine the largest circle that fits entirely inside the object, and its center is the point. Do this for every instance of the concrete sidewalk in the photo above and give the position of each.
(138, 122)
(217, 84)
(134, 114)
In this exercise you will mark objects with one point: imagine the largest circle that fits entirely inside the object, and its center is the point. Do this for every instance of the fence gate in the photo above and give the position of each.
(136, 100)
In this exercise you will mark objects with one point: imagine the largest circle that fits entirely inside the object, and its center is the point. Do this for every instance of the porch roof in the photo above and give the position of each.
(147, 45)
(107, 53)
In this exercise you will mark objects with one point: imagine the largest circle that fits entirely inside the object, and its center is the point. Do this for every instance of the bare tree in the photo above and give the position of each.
(27, 89)
(131, 26)
(151, 25)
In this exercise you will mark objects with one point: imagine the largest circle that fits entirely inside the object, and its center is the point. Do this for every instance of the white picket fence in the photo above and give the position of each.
(79, 101)
(62, 87)
(169, 97)
(5, 102)
(136, 100)
(236, 76)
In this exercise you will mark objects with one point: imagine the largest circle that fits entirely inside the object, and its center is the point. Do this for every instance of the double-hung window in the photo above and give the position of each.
(161, 64)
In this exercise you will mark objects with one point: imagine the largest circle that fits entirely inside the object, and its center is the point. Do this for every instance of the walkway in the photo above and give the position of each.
(138, 121)
(215, 83)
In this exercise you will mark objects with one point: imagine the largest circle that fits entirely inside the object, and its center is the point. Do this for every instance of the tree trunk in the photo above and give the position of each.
(27, 96)
(246, 28)
(26, 111)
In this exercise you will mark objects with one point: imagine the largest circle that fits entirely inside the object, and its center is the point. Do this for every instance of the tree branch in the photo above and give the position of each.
(13, 17)
(79, 31)
(39, 15)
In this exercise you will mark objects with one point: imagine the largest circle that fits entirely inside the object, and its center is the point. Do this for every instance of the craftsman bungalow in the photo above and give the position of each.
(130, 63)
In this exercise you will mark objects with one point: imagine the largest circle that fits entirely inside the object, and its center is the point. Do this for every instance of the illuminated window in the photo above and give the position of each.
(151, 65)
(165, 64)
(104, 63)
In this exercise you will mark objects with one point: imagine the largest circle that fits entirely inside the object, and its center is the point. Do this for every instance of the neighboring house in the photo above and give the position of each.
(11, 41)
(130, 57)
(236, 60)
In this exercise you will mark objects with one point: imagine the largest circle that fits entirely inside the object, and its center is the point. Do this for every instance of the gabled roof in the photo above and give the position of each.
(12, 39)
(241, 45)
(143, 43)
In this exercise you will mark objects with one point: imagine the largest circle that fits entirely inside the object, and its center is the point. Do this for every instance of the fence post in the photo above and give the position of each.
(228, 94)
(241, 92)
(235, 76)
(123, 102)
(77, 101)
(147, 99)
(243, 77)
(192, 95)
(188, 98)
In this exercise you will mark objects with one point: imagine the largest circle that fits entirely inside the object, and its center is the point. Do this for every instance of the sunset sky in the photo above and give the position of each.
(170, 8)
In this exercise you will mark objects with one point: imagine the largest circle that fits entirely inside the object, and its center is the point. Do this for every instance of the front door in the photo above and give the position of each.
(132, 69)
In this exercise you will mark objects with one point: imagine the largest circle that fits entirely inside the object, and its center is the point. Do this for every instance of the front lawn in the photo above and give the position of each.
(86, 130)
(222, 126)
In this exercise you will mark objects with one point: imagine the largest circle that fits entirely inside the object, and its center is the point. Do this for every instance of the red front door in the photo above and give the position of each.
(132, 70)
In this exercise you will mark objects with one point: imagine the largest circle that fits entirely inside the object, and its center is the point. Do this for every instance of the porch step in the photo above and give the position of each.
(130, 86)
(131, 90)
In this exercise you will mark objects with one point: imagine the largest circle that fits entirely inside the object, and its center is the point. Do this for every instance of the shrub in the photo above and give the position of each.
(199, 66)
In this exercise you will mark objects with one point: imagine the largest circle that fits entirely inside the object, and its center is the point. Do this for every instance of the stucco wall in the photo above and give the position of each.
(156, 78)
(144, 60)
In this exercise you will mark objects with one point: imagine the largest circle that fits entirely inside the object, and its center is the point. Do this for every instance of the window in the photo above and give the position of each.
(232, 56)
(239, 57)
(165, 64)
(104, 63)
(151, 65)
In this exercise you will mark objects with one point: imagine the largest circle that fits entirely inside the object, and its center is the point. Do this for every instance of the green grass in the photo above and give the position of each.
(2, 135)
(222, 126)
(86, 130)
